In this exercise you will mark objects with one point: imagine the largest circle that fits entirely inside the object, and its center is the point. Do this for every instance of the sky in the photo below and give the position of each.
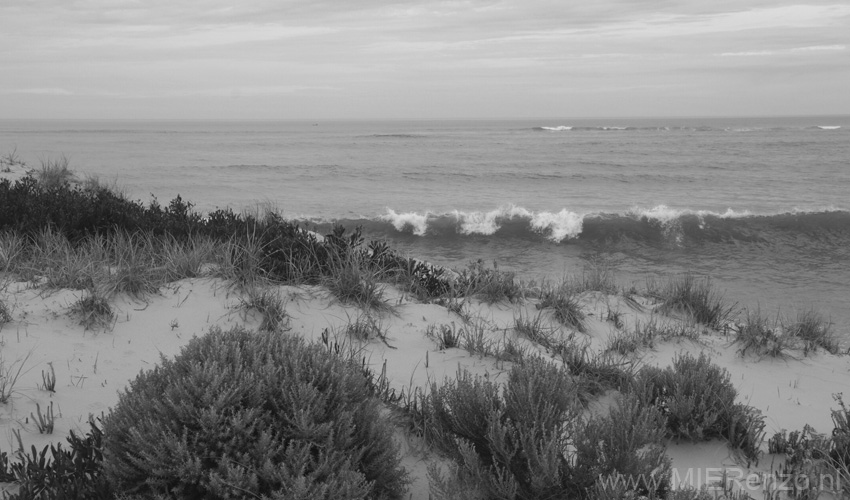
(422, 59)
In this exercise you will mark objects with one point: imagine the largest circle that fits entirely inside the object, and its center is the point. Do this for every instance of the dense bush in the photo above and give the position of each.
(529, 440)
(698, 399)
(266, 245)
(627, 446)
(241, 414)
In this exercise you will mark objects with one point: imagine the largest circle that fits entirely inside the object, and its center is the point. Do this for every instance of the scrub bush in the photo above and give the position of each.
(241, 414)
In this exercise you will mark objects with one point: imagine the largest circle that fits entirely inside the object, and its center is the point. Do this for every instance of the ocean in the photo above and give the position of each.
(761, 205)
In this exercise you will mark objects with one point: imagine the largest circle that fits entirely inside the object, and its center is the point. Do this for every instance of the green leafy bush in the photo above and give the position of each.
(626, 446)
(698, 399)
(251, 414)
(59, 473)
(528, 439)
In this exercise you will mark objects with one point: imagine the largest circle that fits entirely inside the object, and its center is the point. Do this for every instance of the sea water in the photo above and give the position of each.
(758, 204)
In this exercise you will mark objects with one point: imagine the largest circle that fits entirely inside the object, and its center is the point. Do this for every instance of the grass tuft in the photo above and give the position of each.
(814, 331)
(270, 305)
(565, 307)
(55, 173)
(93, 310)
(693, 296)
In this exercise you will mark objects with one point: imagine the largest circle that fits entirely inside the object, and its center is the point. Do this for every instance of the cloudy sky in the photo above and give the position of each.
(294, 59)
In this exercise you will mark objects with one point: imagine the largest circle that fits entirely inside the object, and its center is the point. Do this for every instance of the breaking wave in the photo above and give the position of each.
(658, 226)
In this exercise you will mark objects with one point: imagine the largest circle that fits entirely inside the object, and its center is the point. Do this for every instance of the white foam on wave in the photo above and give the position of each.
(560, 128)
(419, 222)
(829, 127)
(487, 223)
(561, 225)
(668, 216)
(663, 213)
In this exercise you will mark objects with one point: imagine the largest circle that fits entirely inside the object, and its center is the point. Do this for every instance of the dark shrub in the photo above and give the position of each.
(698, 399)
(61, 474)
(626, 446)
(529, 441)
(241, 414)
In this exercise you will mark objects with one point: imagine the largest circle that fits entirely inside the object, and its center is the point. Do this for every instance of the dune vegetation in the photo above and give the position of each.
(268, 414)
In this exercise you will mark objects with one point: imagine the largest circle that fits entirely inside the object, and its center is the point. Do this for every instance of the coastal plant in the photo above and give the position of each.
(92, 310)
(134, 267)
(55, 172)
(353, 283)
(269, 304)
(840, 452)
(475, 338)
(614, 316)
(445, 336)
(627, 446)
(5, 313)
(756, 334)
(813, 330)
(490, 285)
(534, 329)
(44, 422)
(185, 259)
(510, 443)
(529, 438)
(12, 251)
(698, 400)
(647, 334)
(9, 375)
(59, 264)
(366, 327)
(594, 372)
(60, 473)
(597, 275)
(693, 296)
(565, 307)
(48, 379)
(284, 419)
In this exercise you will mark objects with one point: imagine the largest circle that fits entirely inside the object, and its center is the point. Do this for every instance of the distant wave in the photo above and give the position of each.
(614, 128)
(397, 136)
(656, 226)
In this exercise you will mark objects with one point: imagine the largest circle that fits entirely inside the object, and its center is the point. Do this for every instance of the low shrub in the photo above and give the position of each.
(698, 399)
(627, 446)
(59, 473)
(251, 414)
(529, 440)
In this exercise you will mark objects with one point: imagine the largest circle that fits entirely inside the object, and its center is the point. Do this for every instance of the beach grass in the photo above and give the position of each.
(693, 296)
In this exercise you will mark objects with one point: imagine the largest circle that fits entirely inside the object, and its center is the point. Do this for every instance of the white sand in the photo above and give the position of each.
(93, 366)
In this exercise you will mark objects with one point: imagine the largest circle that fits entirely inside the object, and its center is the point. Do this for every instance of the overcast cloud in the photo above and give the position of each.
(314, 59)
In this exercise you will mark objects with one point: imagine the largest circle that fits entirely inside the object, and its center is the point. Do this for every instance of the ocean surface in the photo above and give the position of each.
(761, 205)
